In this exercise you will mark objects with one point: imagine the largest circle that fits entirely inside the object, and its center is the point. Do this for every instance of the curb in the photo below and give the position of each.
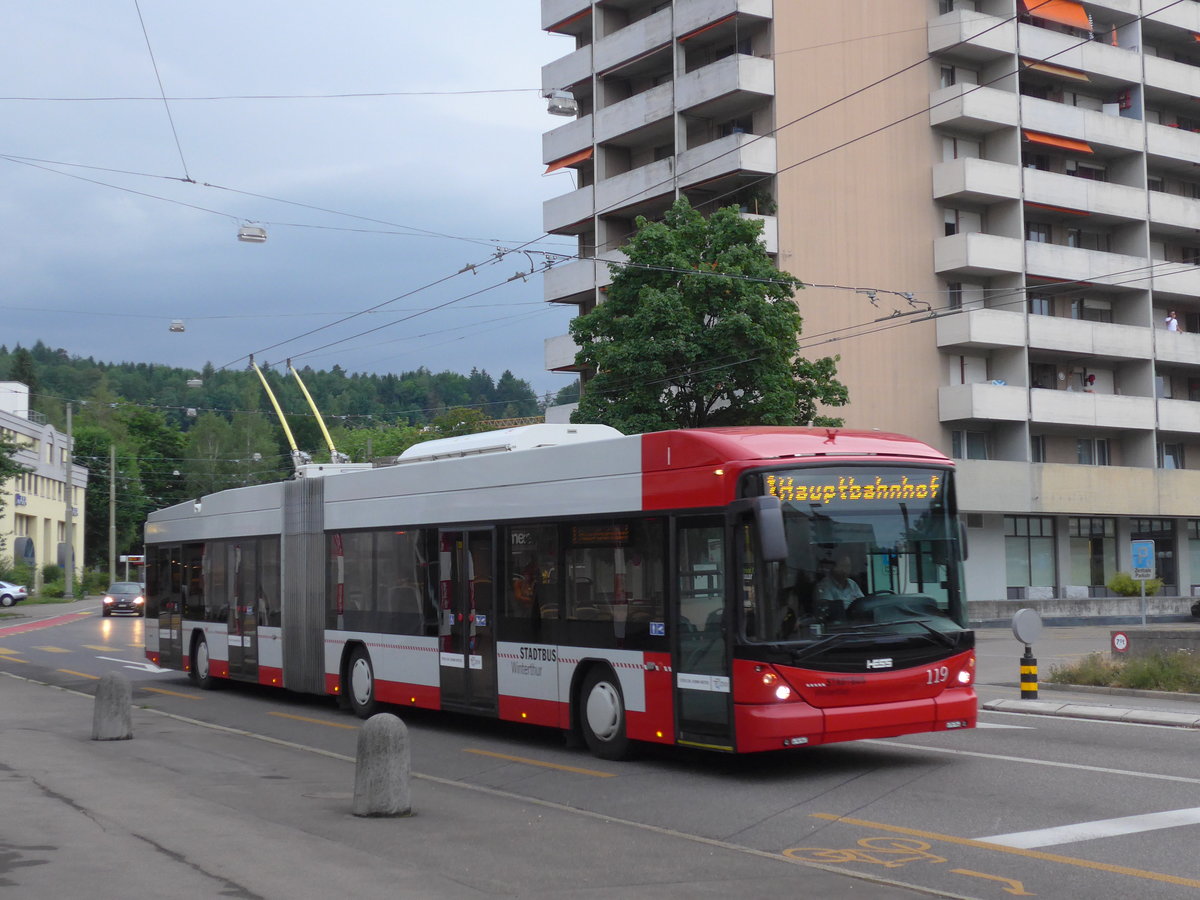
(1103, 713)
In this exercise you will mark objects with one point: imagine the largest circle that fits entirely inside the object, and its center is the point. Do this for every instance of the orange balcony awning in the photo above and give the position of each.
(704, 28)
(1064, 12)
(1053, 140)
(1057, 209)
(568, 161)
(1051, 69)
(560, 27)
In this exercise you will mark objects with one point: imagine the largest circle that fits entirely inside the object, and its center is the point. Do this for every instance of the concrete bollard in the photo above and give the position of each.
(382, 772)
(112, 718)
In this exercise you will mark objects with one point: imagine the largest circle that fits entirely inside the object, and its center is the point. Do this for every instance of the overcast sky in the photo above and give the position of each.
(92, 261)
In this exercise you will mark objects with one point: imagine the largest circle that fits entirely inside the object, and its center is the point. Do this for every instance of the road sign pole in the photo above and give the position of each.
(1142, 582)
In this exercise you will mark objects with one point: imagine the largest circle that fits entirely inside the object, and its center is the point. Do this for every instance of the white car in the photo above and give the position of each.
(10, 593)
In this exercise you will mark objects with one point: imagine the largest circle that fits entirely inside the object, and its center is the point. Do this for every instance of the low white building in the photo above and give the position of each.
(33, 520)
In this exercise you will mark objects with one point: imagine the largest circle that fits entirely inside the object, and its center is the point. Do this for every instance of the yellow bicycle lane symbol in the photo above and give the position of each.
(892, 853)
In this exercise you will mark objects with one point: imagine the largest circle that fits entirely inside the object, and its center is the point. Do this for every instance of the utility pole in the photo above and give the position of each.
(112, 512)
(69, 564)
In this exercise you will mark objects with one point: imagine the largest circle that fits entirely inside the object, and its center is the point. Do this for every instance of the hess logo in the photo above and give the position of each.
(881, 663)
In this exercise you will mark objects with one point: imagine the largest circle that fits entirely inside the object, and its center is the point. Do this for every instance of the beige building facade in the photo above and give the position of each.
(997, 204)
(33, 521)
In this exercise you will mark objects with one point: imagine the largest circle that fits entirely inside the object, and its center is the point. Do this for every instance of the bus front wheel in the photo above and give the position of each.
(360, 683)
(602, 715)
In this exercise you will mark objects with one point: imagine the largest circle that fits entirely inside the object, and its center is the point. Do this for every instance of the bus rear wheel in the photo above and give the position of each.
(602, 716)
(360, 684)
(201, 668)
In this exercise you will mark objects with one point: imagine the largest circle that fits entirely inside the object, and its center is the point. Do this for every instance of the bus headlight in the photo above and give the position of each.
(783, 692)
(964, 676)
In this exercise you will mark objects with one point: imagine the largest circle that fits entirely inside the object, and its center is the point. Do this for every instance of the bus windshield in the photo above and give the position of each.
(870, 548)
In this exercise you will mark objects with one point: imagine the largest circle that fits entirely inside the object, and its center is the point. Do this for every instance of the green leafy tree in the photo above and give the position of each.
(92, 449)
(459, 420)
(699, 330)
(365, 444)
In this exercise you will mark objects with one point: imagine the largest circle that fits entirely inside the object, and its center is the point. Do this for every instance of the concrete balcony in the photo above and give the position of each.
(749, 154)
(974, 110)
(566, 139)
(1111, 411)
(1176, 278)
(1096, 58)
(770, 232)
(1061, 489)
(982, 402)
(555, 11)
(1178, 78)
(976, 254)
(1174, 211)
(567, 70)
(632, 41)
(569, 213)
(639, 113)
(1185, 16)
(1099, 198)
(1177, 347)
(625, 193)
(980, 329)
(1094, 339)
(1173, 143)
(696, 14)
(560, 354)
(1073, 264)
(1182, 416)
(976, 181)
(576, 281)
(726, 87)
(971, 36)
(1081, 124)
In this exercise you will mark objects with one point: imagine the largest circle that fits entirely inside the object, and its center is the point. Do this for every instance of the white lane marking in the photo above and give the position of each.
(1087, 831)
(140, 666)
(998, 725)
(1153, 776)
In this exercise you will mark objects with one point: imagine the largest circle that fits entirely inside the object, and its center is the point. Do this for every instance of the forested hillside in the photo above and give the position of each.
(181, 433)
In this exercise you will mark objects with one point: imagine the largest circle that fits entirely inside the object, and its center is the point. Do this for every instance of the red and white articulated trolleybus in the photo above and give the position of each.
(737, 589)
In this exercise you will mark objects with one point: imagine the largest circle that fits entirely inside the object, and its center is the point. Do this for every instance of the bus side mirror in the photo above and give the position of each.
(768, 519)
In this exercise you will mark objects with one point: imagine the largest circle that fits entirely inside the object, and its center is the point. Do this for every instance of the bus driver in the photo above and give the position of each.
(836, 590)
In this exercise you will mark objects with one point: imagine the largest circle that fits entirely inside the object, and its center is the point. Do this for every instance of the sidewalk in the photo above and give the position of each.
(184, 810)
(998, 661)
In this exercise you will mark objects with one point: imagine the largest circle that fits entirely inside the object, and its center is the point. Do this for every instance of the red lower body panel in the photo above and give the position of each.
(786, 725)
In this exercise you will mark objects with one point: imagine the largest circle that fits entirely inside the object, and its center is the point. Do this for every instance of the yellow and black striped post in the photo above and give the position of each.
(1029, 676)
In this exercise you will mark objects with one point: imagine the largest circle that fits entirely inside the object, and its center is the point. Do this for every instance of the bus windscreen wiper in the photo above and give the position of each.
(941, 636)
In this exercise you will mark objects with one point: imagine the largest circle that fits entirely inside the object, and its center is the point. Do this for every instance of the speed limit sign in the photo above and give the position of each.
(1120, 641)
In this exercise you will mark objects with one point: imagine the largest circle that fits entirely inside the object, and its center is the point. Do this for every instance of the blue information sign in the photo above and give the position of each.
(1141, 554)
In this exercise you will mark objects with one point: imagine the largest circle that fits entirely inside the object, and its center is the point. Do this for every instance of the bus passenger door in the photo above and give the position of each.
(703, 699)
(243, 612)
(166, 583)
(467, 619)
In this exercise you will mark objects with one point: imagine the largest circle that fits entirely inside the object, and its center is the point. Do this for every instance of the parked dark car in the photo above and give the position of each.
(10, 593)
(124, 596)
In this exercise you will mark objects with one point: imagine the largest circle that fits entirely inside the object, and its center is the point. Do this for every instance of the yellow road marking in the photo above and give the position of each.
(8, 651)
(314, 721)
(1017, 851)
(99, 647)
(80, 674)
(172, 693)
(1014, 887)
(52, 649)
(544, 765)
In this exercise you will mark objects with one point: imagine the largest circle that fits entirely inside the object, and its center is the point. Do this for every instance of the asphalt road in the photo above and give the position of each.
(1021, 806)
